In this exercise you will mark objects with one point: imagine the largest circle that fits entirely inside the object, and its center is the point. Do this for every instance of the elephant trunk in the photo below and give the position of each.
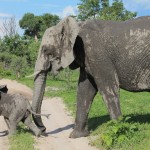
(38, 93)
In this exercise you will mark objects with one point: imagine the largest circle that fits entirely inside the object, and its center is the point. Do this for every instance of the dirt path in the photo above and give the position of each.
(58, 126)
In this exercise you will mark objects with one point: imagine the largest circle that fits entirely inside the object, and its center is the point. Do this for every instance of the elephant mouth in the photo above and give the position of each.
(55, 70)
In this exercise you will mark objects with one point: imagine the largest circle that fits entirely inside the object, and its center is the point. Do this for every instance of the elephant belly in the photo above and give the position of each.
(136, 81)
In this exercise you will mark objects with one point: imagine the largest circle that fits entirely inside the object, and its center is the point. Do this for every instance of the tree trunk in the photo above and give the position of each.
(36, 38)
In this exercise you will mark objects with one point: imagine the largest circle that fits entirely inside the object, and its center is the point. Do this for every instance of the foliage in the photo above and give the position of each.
(17, 55)
(48, 20)
(137, 117)
(117, 132)
(35, 25)
(31, 24)
(4, 73)
(5, 59)
(88, 9)
(102, 9)
(19, 66)
(116, 12)
(15, 45)
(32, 49)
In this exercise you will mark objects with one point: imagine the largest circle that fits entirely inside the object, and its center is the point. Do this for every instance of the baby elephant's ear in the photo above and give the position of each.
(3, 88)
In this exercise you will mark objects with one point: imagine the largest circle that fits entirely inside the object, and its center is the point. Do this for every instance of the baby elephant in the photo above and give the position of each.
(16, 108)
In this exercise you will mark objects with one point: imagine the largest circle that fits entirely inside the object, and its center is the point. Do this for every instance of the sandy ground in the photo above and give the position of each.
(59, 125)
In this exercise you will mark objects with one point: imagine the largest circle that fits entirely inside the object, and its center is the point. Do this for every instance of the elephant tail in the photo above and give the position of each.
(45, 115)
(29, 108)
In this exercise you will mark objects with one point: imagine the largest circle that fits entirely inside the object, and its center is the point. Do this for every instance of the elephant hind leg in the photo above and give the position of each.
(111, 99)
(28, 122)
(109, 88)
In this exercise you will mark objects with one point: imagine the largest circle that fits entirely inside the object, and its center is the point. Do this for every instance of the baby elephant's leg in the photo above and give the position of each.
(7, 123)
(28, 122)
(13, 126)
(13, 121)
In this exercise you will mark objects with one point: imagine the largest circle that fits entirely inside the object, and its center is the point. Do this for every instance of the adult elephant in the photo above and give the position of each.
(111, 55)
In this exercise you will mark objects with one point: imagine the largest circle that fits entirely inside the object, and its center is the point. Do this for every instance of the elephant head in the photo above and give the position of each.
(56, 50)
(55, 53)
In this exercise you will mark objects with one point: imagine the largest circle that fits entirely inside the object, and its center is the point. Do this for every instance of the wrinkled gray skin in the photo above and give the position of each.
(16, 108)
(111, 55)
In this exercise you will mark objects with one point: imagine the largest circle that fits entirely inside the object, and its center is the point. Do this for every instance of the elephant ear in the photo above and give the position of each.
(69, 31)
(3, 88)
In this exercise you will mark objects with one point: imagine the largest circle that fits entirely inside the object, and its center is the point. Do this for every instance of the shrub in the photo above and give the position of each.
(19, 66)
(117, 134)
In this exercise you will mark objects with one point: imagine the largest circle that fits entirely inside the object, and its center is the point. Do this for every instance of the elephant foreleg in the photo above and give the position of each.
(85, 95)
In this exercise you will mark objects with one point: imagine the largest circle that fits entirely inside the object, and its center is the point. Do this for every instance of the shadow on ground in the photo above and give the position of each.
(140, 118)
(71, 126)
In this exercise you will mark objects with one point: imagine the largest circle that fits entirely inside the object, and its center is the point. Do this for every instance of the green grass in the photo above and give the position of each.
(135, 109)
(22, 140)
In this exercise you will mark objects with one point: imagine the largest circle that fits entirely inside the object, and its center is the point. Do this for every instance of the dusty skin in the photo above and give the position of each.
(58, 126)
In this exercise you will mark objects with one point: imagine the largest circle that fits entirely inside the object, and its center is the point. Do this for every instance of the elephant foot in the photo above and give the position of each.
(38, 133)
(43, 129)
(44, 134)
(76, 134)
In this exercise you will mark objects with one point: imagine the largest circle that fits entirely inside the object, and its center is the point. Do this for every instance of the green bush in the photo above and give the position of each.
(4, 73)
(117, 132)
(19, 66)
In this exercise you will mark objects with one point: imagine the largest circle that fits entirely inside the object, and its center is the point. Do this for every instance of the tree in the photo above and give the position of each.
(101, 9)
(35, 25)
(50, 20)
(88, 9)
(9, 26)
(31, 24)
(116, 12)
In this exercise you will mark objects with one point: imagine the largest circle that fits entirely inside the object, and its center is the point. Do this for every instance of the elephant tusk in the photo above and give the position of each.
(33, 75)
